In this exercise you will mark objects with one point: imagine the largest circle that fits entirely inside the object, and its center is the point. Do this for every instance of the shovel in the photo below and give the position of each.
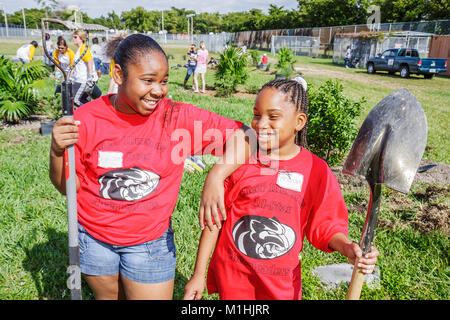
(74, 280)
(387, 150)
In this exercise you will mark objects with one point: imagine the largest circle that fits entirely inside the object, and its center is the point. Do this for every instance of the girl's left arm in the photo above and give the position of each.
(352, 251)
(237, 151)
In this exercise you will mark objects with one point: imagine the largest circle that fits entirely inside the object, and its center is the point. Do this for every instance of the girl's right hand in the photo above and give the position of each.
(194, 288)
(64, 134)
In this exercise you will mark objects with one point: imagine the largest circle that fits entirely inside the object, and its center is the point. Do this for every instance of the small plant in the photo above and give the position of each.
(254, 55)
(231, 71)
(17, 88)
(331, 121)
(252, 88)
(51, 106)
(286, 60)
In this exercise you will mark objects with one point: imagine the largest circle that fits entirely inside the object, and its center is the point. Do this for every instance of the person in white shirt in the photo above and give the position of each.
(50, 48)
(97, 53)
(26, 52)
(83, 76)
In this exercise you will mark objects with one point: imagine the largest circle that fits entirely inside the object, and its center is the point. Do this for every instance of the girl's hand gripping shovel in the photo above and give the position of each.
(388, 150)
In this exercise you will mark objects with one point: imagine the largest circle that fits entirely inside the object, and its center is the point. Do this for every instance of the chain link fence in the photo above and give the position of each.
(213, 42)
(262, 39)
(362, 48)
(301, 46)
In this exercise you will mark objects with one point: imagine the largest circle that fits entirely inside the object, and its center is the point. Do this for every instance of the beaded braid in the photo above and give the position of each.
(299, 97)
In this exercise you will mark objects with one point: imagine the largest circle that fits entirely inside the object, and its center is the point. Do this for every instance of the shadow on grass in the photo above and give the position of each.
(47, 262)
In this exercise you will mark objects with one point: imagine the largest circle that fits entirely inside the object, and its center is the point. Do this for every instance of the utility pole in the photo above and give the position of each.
(6, 18)
(191, 16)
(24, 22)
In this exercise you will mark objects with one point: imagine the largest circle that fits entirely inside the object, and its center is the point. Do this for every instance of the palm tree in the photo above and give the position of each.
(17, 94)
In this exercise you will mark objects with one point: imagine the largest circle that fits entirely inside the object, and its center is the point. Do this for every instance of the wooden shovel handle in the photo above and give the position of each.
(354, 290)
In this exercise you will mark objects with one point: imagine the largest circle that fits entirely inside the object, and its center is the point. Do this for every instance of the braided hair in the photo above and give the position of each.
(298, 96)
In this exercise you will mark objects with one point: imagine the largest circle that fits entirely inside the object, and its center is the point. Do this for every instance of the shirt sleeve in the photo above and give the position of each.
(88, 56)
(55, 55)
(328, 213)
(208, 131)
(32, 49)
(71, 56)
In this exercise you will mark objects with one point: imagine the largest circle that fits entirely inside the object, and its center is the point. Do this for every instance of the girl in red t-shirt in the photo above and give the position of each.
(273, 201)
(130, 149)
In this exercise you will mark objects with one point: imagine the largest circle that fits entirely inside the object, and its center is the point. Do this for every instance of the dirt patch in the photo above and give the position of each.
(429, 213)
(438, 173)
(212, 93)
(359, 76)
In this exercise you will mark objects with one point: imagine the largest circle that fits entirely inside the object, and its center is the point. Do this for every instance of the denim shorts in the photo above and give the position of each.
(150, 262)
(190, 70)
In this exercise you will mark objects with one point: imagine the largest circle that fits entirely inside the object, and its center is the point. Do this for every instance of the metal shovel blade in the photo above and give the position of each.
(387, 150)
(390, 143)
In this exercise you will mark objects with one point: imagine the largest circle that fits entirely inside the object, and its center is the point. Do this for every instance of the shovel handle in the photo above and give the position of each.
(354, 290)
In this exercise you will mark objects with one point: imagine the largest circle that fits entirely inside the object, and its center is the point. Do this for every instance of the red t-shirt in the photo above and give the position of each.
(265, 59)
(130, 166)
(269, 212)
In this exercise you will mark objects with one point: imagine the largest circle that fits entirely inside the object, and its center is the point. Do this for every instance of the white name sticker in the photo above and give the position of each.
(290, 180)
(110, 159)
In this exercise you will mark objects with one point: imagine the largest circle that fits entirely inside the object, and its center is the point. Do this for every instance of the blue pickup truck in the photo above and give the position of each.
(406, 61)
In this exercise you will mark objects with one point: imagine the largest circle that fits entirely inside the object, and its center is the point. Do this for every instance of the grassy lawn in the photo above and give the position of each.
(413, 262)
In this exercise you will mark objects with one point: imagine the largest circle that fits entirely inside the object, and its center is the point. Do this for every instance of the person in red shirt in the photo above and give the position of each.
(280, 195)
(264, 61)
(130, 149)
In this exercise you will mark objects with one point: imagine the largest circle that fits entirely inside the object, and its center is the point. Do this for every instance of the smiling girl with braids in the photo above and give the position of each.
(272, 202)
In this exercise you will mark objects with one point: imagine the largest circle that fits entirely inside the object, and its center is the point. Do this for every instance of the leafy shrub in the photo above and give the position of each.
(51, 106)
(252, 88)
(17, 91)
(254, 55)
(231, 71)
(286, 60)
(331, 121)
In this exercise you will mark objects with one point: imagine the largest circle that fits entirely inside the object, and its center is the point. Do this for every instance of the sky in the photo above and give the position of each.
(96, 8)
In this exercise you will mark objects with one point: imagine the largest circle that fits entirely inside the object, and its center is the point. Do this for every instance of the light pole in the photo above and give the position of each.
(6, 18)
(191, 16)
(24, 23)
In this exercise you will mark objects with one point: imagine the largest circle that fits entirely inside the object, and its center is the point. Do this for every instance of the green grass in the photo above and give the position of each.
(33, 229)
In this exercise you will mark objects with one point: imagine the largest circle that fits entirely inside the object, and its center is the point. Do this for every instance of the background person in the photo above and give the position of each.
(50, 48)
(97, 54)
(348, 57)
(64, 56)
(84, 76)
(26, 52)
(264, 61)
(191, 63)
(106, 60)
(202, 59)
(110, 51)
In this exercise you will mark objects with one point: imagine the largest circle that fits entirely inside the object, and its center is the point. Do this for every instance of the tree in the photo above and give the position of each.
(412, 10)
(138, 19)
(324, 13)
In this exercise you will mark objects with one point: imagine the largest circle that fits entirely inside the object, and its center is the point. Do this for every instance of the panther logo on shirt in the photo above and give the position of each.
(263, 238)
(128, 184)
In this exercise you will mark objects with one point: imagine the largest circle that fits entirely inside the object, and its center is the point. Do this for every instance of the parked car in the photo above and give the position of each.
(406, 61)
